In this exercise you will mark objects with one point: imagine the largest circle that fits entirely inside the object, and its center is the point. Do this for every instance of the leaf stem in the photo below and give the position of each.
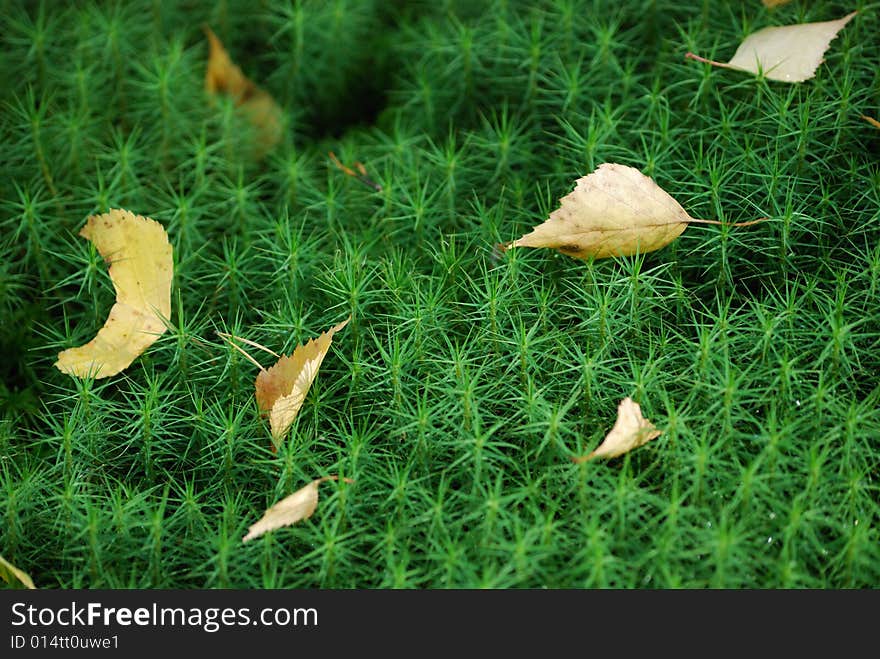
(362, 176)
(728, 224)
(334, 477)
(690, 55)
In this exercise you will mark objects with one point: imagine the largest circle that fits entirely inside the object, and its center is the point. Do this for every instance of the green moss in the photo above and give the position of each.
(465, 381)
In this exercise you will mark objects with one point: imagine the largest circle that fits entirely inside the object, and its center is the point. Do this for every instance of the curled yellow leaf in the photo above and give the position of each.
(141, 269)
(630, 431)
(282, 388)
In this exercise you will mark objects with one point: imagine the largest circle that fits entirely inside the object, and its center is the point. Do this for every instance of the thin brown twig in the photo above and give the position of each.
(362, 176)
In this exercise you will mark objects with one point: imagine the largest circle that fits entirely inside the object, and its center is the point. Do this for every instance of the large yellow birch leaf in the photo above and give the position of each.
(141, 268)
(630, 431)
(290, 510)
(11, 574)
(790, 53)
(256, 105)
(615, 211)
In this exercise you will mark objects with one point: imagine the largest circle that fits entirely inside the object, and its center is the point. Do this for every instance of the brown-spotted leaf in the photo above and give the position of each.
(630, 431)
(298, 506)
(141, 268)
(615, 211)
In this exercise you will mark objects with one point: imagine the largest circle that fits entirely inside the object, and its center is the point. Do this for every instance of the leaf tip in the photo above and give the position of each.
(871, 120)
(341, 325)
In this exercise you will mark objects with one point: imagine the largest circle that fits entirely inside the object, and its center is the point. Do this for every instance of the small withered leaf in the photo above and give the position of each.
(872, 121)
(630, 431)
(296, 507)
(282, 388)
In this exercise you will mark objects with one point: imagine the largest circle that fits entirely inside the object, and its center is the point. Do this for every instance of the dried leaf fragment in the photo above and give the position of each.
(12, 575)
(615, 211)
(775, 3)
(290, 510)
(360, 174)
(871, 120)
(282, 388)
(256, 105)
(141, 268)
(790, 53)
(630, 431)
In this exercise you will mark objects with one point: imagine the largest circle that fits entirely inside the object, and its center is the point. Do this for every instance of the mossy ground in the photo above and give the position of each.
(465, 381)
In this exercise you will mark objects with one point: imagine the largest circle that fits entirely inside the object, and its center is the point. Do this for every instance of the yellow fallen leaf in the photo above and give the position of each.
(872, 121)
(790, 53)
(615, 211)
(11, 574)
(222, 76)
(291, 509)
(282, 388)
(141, 268)
(630, 431)
(775, 3)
